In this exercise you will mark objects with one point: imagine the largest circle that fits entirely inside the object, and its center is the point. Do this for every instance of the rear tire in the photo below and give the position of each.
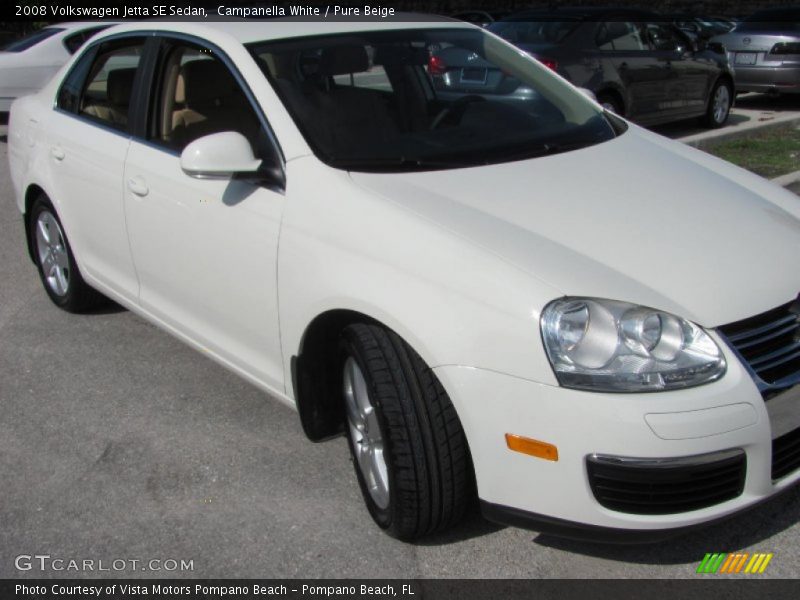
(409, 450)
(57, 267)
(719, 105)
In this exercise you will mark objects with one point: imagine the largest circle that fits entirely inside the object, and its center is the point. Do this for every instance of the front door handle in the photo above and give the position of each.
(57, 152)
(138, 186)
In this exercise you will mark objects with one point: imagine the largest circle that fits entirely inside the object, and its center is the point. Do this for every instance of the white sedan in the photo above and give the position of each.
(28, 63)
(593, 330)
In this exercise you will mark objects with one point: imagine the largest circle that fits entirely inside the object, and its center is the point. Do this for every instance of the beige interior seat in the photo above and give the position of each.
(119, 86)
(209, 100)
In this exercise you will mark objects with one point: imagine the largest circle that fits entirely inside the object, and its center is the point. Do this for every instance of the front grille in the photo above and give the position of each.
(769, 344)
(785, 454)
(668, 486)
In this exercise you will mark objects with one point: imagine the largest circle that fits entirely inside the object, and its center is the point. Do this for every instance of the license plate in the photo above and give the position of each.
(473, 75)
(745, 58)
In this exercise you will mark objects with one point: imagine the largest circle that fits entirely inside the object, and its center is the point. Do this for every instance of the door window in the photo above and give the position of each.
(100, 85)
(664, 38)
(620, 36)
(197, 95)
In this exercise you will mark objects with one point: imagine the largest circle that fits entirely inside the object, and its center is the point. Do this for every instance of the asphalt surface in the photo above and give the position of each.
(117, 442)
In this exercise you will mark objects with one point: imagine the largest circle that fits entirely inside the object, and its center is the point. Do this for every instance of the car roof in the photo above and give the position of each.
(251, 30)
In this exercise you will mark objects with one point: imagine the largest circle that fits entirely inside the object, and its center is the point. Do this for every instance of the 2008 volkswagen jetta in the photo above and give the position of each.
(512, 296)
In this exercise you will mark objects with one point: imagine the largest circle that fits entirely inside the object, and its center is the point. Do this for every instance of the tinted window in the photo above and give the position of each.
(197, 95)
(101, 84)
(663, 37)
(425, 99)
(533, 32)
(779, 19)
(76, 40)
(620, 36)
(31, 40)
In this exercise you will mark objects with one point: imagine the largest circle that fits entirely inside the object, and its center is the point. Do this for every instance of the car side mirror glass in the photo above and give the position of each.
(219, 156)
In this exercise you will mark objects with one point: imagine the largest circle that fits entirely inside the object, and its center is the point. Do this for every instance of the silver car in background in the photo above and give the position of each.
(764, 51)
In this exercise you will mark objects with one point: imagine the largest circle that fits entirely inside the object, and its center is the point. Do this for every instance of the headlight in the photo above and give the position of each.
(609, 346)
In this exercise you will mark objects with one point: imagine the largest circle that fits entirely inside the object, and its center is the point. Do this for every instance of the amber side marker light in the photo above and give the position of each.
(517, 443)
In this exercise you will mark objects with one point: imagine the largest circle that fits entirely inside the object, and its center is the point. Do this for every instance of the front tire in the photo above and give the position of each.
(719, 105)
(409, 450)
(57, 267)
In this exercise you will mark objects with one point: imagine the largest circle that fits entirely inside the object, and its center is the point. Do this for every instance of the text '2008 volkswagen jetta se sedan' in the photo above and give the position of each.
(515, 297)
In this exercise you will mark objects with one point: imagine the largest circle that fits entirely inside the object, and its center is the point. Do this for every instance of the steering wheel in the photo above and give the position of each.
(456, 110)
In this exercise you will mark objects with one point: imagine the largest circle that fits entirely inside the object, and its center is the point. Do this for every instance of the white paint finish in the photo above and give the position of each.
(668, 233)
(460, 263)
(695, 424)
(582, 423)
(87, 191)
(206, 256)
(23, 73)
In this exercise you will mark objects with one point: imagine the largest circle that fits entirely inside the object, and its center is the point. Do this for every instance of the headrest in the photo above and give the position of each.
(120, 85)
(617, 29)
(400, 56)
(204, 81)
(341, 60)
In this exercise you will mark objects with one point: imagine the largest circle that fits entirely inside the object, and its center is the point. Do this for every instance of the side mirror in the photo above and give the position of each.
(588, 93)
(219, 156)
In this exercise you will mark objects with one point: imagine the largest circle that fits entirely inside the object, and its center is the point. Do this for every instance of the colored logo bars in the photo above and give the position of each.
(739, 562)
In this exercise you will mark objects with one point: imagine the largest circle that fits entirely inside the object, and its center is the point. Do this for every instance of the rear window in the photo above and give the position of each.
(771, 21)
(30, 40)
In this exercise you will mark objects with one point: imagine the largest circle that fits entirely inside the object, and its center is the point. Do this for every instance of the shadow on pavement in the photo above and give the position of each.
(744, 530)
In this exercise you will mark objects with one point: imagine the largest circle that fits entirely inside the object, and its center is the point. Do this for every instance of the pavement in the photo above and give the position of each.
(119, 443)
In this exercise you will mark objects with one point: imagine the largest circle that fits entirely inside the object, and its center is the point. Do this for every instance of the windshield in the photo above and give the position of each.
(30, 40)
(424, 99)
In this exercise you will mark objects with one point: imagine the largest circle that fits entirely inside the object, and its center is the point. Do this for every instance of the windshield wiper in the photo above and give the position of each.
(401, 163)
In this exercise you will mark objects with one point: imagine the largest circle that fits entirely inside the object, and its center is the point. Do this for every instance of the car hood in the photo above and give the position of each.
(639, 218)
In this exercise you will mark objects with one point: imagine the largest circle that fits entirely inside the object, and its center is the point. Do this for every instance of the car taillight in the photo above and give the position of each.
(436, 66)
(550, 63)
(786, 48)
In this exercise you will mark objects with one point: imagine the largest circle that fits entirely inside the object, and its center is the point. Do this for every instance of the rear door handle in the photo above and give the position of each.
(138, 186)
(57, 152)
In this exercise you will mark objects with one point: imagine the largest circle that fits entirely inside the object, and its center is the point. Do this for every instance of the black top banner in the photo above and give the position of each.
(33, 11)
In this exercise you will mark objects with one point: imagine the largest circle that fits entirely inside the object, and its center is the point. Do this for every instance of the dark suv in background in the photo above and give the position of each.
(637, 63)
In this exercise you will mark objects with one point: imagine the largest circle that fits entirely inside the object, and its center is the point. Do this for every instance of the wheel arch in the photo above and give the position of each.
(32, 192)
(315, 369)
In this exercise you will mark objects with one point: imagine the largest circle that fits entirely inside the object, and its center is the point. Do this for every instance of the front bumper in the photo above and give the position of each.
(725, 415)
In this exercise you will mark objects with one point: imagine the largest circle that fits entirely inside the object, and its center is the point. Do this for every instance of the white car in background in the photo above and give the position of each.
(593, 329)
(28, 63)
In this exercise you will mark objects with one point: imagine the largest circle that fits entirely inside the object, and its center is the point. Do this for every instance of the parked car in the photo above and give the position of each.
(27, 63)
(590, 327)
(765, 51)
(636, 64)
(699, 28)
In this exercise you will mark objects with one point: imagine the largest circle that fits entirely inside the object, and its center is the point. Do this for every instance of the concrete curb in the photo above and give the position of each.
(710, 138)
(787, 179)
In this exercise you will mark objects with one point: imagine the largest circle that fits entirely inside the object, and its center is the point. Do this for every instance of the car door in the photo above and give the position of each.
(206, 250)
(89, 136)
(626, 61)
(689, 77)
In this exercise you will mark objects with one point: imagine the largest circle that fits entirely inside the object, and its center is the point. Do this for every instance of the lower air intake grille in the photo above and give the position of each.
(666, 486)
(769, 343)
(785, 454)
